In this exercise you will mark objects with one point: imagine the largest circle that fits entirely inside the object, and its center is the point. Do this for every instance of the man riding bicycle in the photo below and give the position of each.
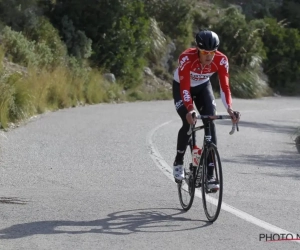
(191, 84)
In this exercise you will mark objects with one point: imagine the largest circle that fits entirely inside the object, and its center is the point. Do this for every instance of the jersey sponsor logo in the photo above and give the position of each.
(186, 96)
(199, 77)
(225, 63)
(183, 61)
(178, 104)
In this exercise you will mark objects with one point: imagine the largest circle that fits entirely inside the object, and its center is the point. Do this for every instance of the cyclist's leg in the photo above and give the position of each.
(182, 138)
(206, 105)
(208, 108)
(196, 93)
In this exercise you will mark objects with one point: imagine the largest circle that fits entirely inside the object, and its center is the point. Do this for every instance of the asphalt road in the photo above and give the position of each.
(98, 177)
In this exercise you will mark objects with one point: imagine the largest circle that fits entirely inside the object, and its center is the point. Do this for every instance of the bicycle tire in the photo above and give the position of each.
(189, 180)
(206, 198)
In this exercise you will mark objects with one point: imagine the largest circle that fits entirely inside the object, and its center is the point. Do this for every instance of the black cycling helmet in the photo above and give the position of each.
(207, 40)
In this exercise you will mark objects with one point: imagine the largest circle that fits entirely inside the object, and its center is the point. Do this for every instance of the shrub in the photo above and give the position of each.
(43, 32)
(77, 43)
(18, 48)
(283, 57)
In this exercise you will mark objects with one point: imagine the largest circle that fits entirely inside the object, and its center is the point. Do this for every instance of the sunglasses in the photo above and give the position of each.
(206, 52)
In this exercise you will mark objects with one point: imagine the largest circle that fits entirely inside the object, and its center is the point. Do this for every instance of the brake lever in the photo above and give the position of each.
(236, 125)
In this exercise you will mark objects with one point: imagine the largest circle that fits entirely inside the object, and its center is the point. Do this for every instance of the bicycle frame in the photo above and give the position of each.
(207, 120)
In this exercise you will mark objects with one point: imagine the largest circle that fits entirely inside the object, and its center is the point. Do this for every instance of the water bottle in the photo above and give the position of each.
(196, 154)
(196, 161)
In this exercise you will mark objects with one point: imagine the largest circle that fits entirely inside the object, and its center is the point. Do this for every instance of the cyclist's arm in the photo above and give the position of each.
(185, 81)
(225, 89)
(223, 70)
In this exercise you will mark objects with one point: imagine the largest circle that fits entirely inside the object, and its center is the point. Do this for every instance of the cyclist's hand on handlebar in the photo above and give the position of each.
(189, 117)
(235, 115)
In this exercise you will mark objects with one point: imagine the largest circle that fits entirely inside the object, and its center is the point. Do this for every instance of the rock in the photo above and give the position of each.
(110, 77)
(148, 71)
(12, 68)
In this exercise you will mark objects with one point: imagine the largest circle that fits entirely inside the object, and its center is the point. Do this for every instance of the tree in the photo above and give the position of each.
(283, 57)
(290, 10)
(118, 30)
(18, 14)
(253, 8)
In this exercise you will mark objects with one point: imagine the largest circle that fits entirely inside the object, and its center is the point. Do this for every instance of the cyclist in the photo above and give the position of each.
(191, 84)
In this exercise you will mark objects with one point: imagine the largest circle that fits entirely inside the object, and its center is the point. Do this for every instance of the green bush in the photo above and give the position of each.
(19, 13)
(77, 43)
(6, 101)
(43, 32)
(21, 107)
(239, 40)
(15, 98)
(18, 48)
(289, 10)
(25, 52)
(282, 64)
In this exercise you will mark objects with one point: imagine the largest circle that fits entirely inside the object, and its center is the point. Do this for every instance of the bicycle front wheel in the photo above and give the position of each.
(186, 187)
(212, 183)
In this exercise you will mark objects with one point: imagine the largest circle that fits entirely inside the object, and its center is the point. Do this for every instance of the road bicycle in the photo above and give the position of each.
(196, 174)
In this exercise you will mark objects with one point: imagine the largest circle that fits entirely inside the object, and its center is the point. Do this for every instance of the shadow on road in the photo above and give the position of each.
(288, 161)
(264, 127)
(152, 220)
(12, 200)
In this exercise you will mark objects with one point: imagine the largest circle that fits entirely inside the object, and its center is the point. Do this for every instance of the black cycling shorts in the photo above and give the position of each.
(204, 101)
(202, 96)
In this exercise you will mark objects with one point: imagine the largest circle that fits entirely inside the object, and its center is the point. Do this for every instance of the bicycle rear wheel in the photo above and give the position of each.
(212, 198)
(186, 188)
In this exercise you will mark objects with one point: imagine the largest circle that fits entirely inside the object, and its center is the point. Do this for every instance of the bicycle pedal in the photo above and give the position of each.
(198, 182)
(177, 181)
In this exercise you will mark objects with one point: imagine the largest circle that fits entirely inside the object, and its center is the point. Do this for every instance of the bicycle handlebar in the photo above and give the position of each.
(216, 117)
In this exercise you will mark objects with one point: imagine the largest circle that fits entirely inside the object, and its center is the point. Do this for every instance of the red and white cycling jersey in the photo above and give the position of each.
(190, 73)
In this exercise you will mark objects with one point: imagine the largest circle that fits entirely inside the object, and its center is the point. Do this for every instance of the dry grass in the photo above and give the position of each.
(39, 90)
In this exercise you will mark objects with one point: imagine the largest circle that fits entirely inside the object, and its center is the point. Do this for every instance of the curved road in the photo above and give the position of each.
(98, 177)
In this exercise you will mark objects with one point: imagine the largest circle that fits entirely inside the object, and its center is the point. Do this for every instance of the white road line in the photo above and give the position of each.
(167, 170)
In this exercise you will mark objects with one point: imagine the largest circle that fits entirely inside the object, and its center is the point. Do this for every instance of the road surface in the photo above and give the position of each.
(99, 177)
